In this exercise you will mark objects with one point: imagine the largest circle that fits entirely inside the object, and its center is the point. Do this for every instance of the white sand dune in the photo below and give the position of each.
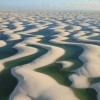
(82, 36)
(2, 43)
(32, 30)
(91, 60)
(1, 66)
(18, 26)
(79, 34)
(13, 36)
(90, 68)
(23, 51)
(84, 24)
(96, 30)
(33, 84)
(47, 58)
(65, 64)
(76, 28)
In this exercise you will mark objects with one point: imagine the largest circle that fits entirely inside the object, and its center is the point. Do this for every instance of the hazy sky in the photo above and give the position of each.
(50, 4)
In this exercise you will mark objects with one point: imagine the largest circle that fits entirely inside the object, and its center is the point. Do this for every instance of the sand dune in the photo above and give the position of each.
(13, 36)
(91, 60)
(32, 87)
(66, 64)
(2, 43)
(90, 68)
(83, 37)
(47, 58)
(37, 87)
(23, 51)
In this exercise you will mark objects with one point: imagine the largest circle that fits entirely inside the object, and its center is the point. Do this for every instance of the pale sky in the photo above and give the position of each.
(50, 4)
